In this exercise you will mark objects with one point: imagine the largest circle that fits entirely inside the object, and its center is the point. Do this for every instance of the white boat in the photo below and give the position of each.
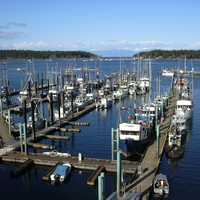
(60, 173)
(147, 110)
(104, 103)
(80, 101)
(133, 131)
(167, 73)
(161, 185)
(90, 96)
(184, 107)
(101, 93)
(56, 153)
(131, 91)
(132, 88)
(119, 94)
(143, 85)
(124, 88)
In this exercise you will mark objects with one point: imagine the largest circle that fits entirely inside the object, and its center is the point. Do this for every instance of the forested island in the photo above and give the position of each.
(29, 54)
(168, 54)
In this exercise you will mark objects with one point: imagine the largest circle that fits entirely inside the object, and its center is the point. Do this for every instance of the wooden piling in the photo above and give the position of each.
(93, 177)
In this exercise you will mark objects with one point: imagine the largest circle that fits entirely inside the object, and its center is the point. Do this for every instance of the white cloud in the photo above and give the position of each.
(101, 45)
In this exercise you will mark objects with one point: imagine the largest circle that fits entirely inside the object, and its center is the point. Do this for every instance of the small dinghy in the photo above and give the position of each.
(60, 173)
(161, 186)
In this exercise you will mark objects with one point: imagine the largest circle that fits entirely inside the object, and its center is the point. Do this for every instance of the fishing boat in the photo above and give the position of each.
(81, 102)
(184, 107)
(181, 84)
(132, 131)
(118, 94)
(175, 145)
(161, 186)
(143, 85)
(132, 88)
(104, 103)
(60, 173)
(136, 133)
(180, 122)
(124, 88)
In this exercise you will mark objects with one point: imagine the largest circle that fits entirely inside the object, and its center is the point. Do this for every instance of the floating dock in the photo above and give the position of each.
(130, 167)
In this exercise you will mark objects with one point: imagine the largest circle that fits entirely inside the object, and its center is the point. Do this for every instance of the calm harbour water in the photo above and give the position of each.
(95, 141)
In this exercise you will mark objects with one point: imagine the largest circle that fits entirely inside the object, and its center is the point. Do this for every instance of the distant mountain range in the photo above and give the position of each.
(115, 53)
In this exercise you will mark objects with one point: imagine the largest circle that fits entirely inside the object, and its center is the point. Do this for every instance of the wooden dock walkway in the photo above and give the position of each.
(151, 162)
(85, 164)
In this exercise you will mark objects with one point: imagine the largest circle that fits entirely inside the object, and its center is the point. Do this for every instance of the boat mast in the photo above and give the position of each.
(120, 68)
(150, 79)
(185, 63)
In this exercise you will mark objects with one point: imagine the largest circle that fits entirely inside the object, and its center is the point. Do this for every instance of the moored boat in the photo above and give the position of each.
(60, 173)
(161, 186)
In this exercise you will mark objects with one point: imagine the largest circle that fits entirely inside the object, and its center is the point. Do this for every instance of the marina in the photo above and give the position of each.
(43, 146)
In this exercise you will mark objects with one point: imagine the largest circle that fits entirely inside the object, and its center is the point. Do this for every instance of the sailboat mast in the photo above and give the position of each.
(185, 63)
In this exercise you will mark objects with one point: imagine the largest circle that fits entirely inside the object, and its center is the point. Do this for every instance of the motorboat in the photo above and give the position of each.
(161, 186)
(62, 170)
(56, 153)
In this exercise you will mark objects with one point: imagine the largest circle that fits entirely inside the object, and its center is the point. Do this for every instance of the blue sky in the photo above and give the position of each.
(99, 25)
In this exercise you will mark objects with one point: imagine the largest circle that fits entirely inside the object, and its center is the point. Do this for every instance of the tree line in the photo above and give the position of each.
(169, 54)
(29, 54)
